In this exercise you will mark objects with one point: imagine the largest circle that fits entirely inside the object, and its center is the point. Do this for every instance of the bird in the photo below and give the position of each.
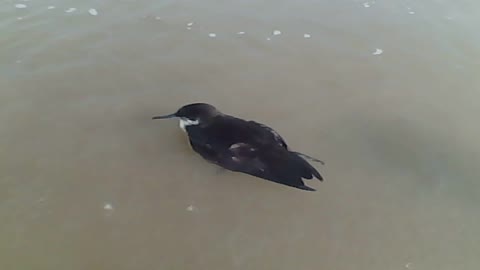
(243, 146)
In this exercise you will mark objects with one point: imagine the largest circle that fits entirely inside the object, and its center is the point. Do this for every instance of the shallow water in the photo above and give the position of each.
(385, 92)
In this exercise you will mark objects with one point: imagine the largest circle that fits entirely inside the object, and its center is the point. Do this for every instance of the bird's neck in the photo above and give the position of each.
(185, 122)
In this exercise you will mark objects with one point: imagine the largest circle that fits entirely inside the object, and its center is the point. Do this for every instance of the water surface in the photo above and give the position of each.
(88, 181)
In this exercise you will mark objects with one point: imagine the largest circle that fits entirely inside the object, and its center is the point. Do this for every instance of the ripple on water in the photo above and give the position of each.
(93, 12)
(377, 51)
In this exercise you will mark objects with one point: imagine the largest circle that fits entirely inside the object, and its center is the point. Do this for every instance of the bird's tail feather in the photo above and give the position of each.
(309, 157)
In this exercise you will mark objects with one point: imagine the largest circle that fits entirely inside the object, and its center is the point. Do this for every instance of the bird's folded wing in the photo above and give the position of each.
(276, 164)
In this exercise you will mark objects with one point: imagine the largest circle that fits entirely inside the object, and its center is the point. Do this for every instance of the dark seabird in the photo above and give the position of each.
(243, 146)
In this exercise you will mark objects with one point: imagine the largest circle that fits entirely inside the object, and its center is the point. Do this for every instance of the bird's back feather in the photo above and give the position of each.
(251, 148)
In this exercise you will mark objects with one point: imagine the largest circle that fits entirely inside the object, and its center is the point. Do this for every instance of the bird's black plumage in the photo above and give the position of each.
(243, 146)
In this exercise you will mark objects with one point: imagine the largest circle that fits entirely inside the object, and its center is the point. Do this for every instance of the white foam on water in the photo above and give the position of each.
(212, 35)
(189, 28)
(190, 24)
(307, 35)
(377, 51)
(108, 206)
(191, 208)
(20, 6)
(241, 33)
(411, 12)
(70, 10)
(93, 12)
(269, 39)
(50, 7)
(277, 32)
(367, 5)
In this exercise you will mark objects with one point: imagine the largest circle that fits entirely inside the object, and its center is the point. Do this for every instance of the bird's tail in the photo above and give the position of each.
(309, 157)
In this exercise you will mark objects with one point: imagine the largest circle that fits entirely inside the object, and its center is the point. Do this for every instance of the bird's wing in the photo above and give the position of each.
(272, 133)
(276, 164)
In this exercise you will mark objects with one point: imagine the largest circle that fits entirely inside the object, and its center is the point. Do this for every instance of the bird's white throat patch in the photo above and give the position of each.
(185, 122)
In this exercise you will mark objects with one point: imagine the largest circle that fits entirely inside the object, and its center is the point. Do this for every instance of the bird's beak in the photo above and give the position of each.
(164, 116)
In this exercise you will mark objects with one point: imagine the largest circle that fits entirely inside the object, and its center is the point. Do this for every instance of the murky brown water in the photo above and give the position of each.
(88, 181)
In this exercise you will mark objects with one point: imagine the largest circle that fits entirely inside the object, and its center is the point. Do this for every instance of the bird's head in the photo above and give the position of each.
(192, 114)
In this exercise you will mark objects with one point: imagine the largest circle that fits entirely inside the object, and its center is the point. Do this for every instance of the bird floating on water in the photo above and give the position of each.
(243, 146)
